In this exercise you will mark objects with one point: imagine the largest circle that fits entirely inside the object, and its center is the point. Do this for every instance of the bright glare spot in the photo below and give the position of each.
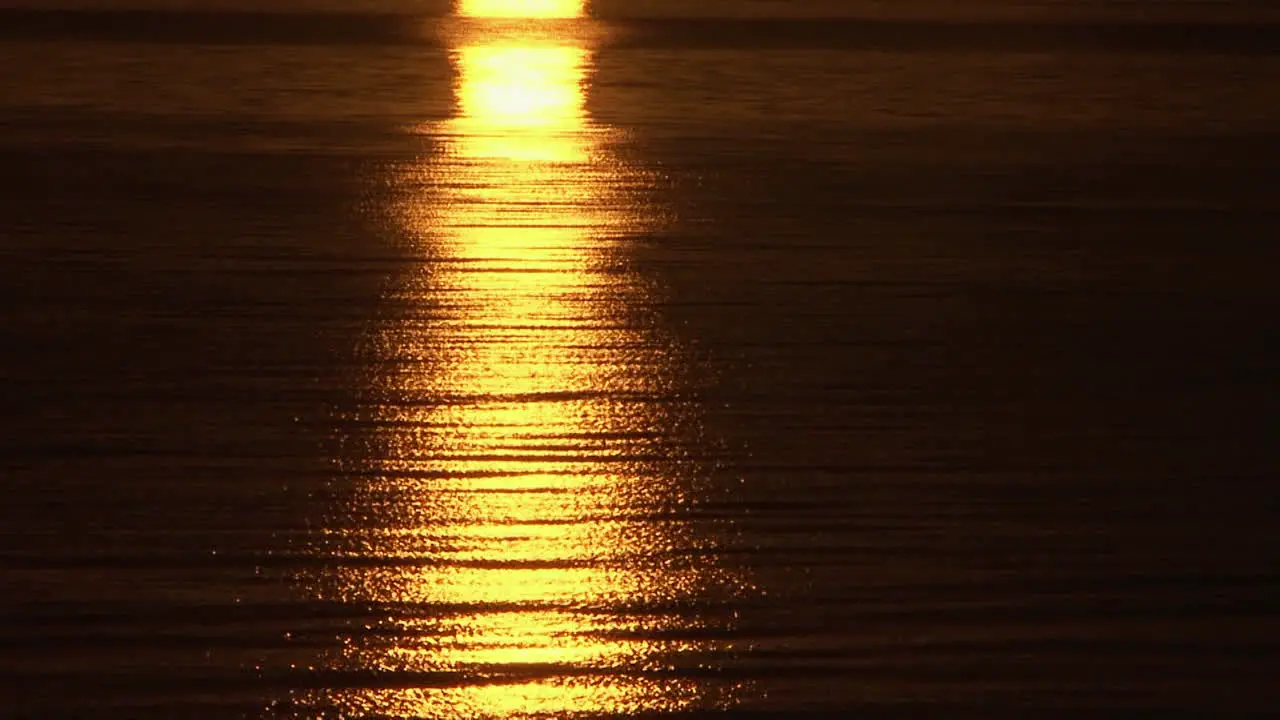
(522, 87)
(522, 103)
(522, 8)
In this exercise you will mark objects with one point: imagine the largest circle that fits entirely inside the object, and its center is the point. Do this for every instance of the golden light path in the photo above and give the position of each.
(530, 468)
(522, 8)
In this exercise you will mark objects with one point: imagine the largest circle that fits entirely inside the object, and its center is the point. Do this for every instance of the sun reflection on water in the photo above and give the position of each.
(531, 457)
(522, 8)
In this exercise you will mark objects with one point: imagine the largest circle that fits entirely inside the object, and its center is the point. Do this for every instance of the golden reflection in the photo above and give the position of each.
(522, 103)
(522, 8)
(531, 457)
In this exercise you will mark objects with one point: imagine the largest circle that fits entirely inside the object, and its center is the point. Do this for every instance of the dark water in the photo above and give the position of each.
(398, 364)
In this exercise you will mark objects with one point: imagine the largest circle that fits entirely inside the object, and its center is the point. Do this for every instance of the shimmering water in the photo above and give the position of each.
(474, 360)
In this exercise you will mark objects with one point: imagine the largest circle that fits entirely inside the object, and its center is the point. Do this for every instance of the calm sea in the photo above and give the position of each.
(761, 358)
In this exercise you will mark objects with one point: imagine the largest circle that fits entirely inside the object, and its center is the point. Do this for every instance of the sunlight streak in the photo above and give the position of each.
(522, 8)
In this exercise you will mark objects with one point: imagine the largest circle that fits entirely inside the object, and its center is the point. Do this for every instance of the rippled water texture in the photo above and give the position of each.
(526, 461)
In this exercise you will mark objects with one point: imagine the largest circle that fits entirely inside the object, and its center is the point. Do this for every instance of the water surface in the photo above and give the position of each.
(424, 362)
